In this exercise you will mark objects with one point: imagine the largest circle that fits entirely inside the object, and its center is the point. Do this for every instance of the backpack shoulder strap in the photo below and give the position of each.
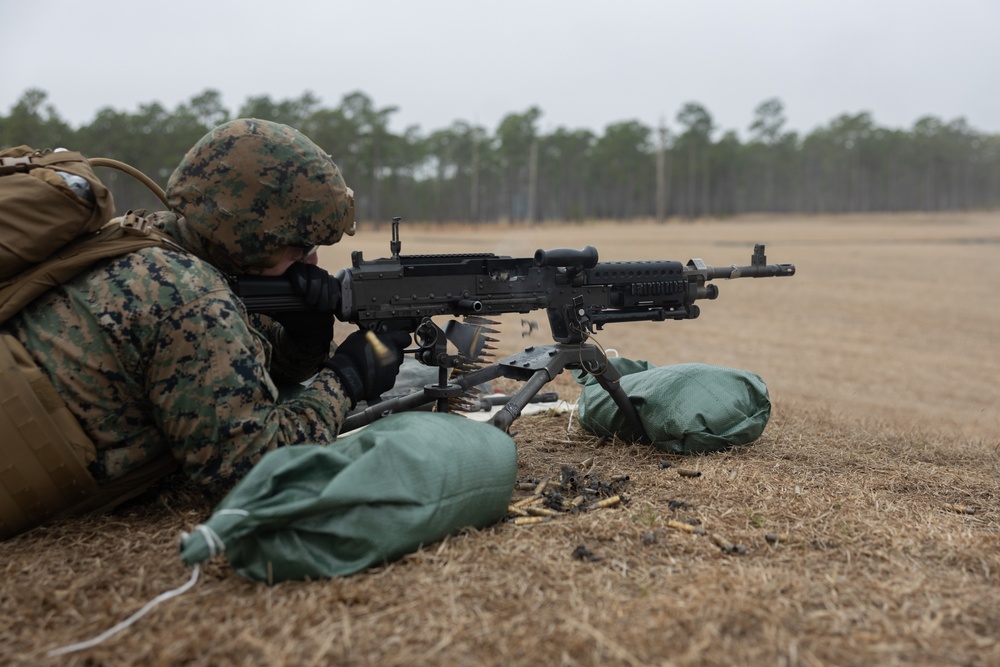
(122, 235)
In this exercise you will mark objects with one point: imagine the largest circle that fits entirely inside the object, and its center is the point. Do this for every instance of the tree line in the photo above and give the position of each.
(515, 172)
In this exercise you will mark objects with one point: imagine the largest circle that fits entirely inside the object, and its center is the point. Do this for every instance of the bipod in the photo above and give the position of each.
(535, 366)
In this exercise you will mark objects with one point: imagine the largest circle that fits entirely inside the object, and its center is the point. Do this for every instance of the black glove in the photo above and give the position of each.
(312, 331)
(312, 328)
(365, 373)
(319, 290)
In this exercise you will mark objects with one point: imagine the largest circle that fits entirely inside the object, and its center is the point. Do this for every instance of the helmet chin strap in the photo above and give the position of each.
(229, 264)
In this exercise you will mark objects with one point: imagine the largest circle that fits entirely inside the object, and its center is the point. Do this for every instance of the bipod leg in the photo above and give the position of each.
(536, 366)
(520, 398)
(610, 379)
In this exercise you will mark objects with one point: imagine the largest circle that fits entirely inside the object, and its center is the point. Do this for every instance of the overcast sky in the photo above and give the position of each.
(585, 64)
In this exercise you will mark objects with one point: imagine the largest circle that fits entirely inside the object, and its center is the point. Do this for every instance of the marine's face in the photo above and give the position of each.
(291, 256)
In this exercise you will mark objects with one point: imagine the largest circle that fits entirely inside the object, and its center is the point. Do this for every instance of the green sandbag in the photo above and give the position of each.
(311, 511)
(685, 408)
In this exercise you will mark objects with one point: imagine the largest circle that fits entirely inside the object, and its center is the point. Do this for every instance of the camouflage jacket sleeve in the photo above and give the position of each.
(152, 352)
(216, 402)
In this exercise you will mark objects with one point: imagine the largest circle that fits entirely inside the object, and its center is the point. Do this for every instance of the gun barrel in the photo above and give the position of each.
(753, 271)
(472, 305)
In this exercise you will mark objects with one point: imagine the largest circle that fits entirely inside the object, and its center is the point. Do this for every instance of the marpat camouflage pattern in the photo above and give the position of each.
(152, 351)
(248, 171)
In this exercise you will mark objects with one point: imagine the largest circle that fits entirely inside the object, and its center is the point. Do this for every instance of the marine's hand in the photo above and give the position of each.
(364, 372)
(319, 290)
(310, 330)
(313, 328)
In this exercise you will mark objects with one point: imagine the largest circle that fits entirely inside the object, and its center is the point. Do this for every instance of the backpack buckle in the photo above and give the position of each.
(134, 223)
(13, 165)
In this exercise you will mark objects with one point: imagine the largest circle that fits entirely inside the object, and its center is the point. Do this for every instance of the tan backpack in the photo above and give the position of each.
(47, 199)
(55, 222)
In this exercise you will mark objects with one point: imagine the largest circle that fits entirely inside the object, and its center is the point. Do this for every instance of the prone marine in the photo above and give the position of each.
(158, 361)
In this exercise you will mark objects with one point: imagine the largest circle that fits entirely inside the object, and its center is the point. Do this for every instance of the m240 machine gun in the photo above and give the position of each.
(579, 294)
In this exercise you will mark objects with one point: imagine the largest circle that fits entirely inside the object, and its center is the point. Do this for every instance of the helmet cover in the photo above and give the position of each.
(250, 187)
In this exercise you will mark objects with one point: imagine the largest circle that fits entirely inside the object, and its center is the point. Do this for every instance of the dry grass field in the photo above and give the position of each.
(880, 469)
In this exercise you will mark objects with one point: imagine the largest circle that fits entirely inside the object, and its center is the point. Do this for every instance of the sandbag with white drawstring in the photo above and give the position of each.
(310, 511)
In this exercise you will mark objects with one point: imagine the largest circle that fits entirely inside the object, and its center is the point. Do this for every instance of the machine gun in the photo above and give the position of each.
(579, 294)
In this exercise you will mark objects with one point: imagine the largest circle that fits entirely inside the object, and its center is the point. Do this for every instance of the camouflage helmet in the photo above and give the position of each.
(249, 188)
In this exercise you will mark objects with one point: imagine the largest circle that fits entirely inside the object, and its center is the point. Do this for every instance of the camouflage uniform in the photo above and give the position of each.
(152, 351)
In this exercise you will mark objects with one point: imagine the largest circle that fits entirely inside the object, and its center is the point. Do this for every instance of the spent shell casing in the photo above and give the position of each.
(540, 511)
(608, 502)
(961, 509)
(721, 542)
(528, 501)
(686, 527)
(528, 520)
(727, 546)
(383, 355)
(687, 472)
(516, 510)
(775, 538)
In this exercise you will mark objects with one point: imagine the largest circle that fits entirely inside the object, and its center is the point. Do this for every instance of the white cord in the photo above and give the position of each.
(215, 546)
(212, 540)
(131, 619)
